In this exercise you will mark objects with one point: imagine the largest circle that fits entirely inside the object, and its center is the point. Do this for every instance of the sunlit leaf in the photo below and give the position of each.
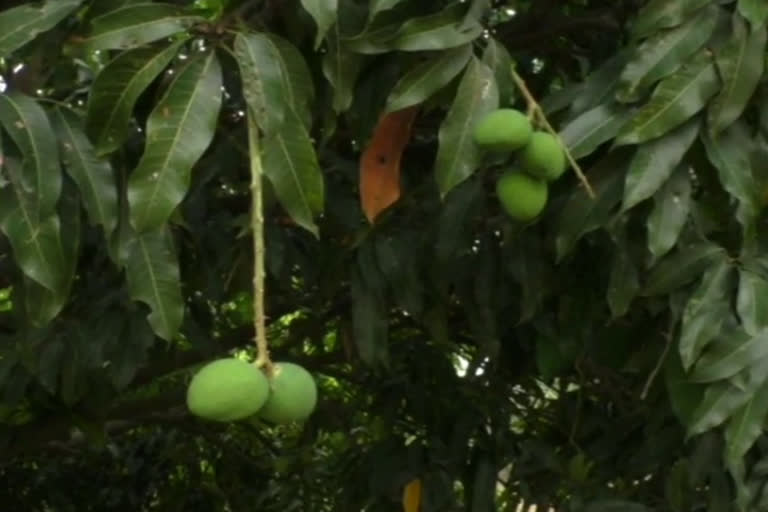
(179, 130)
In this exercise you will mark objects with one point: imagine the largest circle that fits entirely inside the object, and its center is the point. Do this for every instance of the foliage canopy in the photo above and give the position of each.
(611, 355)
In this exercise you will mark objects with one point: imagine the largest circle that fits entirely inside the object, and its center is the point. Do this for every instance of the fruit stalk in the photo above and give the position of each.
(257, 226)
(535, 109)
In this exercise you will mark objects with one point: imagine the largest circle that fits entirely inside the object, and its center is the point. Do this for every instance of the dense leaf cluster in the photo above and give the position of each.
(610, 356)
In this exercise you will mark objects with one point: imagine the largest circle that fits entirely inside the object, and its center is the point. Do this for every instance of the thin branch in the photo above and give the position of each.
(535, 109)
(257, 226)
(656, 369)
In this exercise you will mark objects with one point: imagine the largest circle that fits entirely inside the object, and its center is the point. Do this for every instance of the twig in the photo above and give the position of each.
(535, 109)
(659, 364)
(257, 226)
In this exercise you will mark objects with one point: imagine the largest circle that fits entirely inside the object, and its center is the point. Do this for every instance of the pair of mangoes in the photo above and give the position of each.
(231, 389)
(523, 190)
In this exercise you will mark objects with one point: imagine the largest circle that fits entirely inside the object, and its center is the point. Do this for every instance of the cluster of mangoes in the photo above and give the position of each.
(523, 189)
(231, 389)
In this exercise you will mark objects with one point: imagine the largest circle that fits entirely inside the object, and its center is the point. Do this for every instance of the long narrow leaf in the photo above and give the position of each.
(19, 25)
(179, 130)
(116, 89)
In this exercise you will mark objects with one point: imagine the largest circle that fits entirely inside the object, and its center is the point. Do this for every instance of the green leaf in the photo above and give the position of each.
(30, 129)
(746, 425)
(497, 57)
(734, 168)
(440, 31)
(421, 82)
(675, 100)
(740, 64)
(655, 161)
(20, 25)
(341, 68)
(42, 304)
(527, 263)
(660, 14)
(682, 267)
(752, 301)
(179, 130)
(436, 32)
(684, 396)
(324, 13)
(378, 6)
(624, 283)
(291, 165)
(457, 154)
(35, 240)
(671, 207)
(49, 365)
(93, 175)
(582, 214)
(706, 311)
(275, 79)
(369, 321)
(733, 351)
(663, 54)
(588, 131)
(134, 25)
(756, 11)
(152, 271)
(116, 89)
(599, 84)
(723, 399)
